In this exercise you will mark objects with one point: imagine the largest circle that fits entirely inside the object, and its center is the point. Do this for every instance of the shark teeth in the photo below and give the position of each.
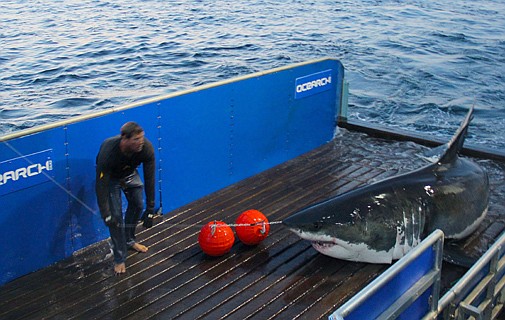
(324, 244)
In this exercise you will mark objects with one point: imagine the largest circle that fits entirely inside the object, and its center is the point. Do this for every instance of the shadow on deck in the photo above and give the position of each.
(283, 276)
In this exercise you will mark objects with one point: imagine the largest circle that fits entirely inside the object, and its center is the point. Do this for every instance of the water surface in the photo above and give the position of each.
(417, 65)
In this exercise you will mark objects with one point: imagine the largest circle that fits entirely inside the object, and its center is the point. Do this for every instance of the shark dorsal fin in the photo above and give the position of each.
(456, 143)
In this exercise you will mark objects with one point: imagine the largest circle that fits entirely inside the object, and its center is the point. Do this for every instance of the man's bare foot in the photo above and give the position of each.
(119, 268)
(139, 247)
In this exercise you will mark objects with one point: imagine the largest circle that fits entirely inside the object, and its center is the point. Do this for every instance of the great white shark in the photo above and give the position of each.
(381, 222)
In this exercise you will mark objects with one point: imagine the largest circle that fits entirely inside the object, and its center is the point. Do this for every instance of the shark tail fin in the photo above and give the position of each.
(456, 143)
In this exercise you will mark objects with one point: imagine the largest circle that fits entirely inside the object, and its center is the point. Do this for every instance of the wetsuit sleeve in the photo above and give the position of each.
(149, 166)
(102, 186)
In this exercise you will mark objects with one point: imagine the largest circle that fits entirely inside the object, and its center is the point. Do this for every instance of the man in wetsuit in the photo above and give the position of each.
(116, 171)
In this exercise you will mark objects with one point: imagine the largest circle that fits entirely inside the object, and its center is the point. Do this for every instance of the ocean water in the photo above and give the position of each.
(416, 65)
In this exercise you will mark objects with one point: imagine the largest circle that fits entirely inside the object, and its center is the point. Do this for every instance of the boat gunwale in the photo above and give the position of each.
(155, 99)
(396, 134)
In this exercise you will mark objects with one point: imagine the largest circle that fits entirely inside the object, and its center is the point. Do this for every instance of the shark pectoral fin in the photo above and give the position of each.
(454, 254)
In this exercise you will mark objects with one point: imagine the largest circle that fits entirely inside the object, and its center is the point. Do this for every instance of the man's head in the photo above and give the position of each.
(132, 137)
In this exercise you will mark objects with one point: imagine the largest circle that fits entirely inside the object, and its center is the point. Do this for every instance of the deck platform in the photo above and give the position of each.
(282, 277)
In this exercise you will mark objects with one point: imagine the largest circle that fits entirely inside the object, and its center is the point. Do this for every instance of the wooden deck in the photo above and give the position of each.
(282, 277)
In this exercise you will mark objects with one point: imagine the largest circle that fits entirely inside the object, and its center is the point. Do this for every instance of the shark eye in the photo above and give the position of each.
(318, 225)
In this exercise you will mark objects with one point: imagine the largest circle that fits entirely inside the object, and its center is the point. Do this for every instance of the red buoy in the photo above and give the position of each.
(252, 227)
(216, 238)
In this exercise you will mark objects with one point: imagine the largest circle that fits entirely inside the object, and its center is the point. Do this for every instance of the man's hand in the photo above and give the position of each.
(148, 217)
(110, 221)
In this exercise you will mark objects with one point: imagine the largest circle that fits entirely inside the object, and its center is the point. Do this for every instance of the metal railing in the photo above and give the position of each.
(369, 302)
(480, 293)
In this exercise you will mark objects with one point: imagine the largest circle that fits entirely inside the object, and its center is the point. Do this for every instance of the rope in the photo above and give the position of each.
(253, 224)
(95, 212)
(217, 225)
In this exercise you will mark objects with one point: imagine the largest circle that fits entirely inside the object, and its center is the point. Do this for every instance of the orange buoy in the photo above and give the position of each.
(252, 227)
(216, 238)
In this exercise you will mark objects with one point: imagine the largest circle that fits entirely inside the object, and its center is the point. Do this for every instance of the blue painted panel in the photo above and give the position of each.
(194, 146)
(384, 297)
(263, 122)
(33, 235)
(421, 306)
(205, 140)
(218, 136)
(277, 126)
(318, 112)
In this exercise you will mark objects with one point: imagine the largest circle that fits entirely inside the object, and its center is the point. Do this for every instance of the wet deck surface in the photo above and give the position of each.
(282, 277)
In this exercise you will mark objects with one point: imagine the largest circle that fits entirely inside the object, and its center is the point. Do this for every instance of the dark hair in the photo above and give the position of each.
(130, 128)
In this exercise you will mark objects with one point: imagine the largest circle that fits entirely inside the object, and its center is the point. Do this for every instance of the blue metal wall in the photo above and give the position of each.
(207, 139)
(409, 289)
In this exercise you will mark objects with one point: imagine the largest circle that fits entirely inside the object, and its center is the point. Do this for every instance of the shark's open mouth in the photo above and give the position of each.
(340, 249)
(323, 244)
(335, 249)
(332, 248)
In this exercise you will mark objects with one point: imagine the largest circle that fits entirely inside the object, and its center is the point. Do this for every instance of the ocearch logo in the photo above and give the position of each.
(313, 83)
(25, 171)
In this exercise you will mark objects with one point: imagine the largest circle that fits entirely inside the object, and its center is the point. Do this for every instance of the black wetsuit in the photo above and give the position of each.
(116, 172)
(112, 163)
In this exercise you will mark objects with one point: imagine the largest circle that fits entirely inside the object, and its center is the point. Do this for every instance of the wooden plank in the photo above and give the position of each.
(281, 277)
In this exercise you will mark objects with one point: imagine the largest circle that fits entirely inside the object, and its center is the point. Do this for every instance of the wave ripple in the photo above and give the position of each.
(412, 64)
